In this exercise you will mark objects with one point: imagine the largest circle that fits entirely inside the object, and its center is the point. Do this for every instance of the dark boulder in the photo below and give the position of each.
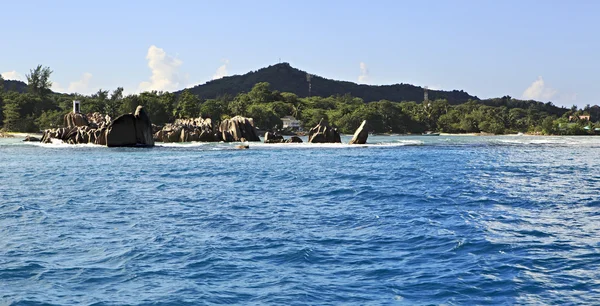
(323, 133)
(130, 130)
(143, 127)
(294, 139)
(361, 134)
(121, 132)
(271, 137)
(31, 139)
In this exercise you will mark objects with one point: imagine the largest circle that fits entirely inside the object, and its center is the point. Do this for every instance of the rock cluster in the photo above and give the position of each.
(238, 128)
(323, 133)
(127, 130)
(97, 120)
(185, 130)
(271, 137)
(361, 134)
(76, 135)
(71, 120)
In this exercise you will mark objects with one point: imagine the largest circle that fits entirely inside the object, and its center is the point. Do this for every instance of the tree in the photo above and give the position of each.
(239, 105)
(188, 105)
(129, 104)
(50, 119)
(282, 109)
(548, 126)
(264, 117)
(214, 109)
(111, 106)
(12, 117)
(38, 81)
(96, 102)
(1, 84)
(311, 117)
(261, 93)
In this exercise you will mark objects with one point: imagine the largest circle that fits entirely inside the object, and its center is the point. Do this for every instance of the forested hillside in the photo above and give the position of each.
(285, 78)
(33, 106)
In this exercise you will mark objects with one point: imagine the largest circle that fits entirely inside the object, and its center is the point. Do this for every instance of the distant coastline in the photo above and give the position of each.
(395, 109)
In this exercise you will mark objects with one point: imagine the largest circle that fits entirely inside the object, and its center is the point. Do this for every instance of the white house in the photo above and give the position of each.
(76, 106)
(291, 122)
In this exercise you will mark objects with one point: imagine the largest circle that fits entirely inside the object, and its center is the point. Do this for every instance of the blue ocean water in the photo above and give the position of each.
(401, 221)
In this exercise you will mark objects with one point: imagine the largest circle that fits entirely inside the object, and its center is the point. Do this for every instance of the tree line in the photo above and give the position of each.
(39, 108)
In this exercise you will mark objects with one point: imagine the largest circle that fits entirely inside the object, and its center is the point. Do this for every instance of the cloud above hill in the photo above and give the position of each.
(539, 91)
(364, 77)
(12, 75)
(221, 71)
(165, 71)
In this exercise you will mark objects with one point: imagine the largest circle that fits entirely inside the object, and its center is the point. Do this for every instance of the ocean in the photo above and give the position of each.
(404, 220)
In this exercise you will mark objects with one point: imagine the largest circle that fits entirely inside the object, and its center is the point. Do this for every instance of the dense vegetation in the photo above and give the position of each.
(38, 108)
(285, 78)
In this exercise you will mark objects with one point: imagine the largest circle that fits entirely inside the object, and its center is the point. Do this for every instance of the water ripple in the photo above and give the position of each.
(422, 220)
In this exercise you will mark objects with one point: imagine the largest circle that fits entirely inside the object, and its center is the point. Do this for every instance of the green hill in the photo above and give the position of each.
(286, 78)
(14, 85)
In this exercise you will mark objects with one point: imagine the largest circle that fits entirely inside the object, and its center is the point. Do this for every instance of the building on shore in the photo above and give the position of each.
(291, 122)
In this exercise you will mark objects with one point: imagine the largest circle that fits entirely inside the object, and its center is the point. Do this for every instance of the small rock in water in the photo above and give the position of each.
(243, 147)
(31, 138)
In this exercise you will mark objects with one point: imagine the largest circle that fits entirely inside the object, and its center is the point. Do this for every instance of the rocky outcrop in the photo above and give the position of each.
(294, 139)
(97, 120)
(323, 133)
(143, 127)
(186, 130)
(271, 137)
(238, 128)
(361, 134)
(75, 119)
(130, 130)
(127, 130)
(121, 132)
(70, 135)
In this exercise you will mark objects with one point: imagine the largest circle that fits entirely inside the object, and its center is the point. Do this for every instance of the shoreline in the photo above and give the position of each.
(40, 135)
(22, 135)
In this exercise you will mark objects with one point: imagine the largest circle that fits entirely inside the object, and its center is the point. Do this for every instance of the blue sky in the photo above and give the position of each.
(545, 50)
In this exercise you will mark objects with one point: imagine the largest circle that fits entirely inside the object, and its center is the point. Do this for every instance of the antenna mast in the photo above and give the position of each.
(308, 78)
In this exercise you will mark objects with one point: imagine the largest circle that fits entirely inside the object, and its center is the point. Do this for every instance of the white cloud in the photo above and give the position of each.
(12, 75)
(363, 78)
(81, 86)
(539, 91)
(221, 71)
(165, 75)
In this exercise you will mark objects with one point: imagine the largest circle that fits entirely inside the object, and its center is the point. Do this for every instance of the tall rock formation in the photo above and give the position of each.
(361, 134)
(130, 130)
(323, 133)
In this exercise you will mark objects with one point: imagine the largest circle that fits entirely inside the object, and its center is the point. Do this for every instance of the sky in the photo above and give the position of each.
(543, 50)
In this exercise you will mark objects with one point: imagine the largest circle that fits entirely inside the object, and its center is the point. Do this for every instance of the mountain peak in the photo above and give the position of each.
(285, 78)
